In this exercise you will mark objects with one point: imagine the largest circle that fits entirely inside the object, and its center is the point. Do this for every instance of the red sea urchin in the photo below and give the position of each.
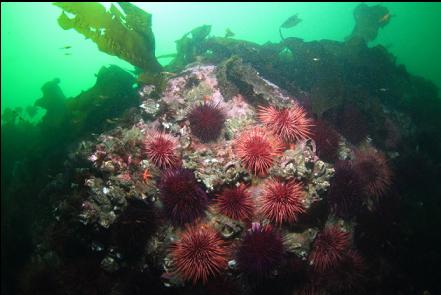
(206, 121)
(282, 201)
(198, 254)
(256, 150)
(374, 171)
(160, 148)
(290, 124)
(182, 197)
(236, 203)
(261, 251)
(328, 249)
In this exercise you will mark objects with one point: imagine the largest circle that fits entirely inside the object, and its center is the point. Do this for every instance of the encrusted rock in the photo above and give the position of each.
(299, 243)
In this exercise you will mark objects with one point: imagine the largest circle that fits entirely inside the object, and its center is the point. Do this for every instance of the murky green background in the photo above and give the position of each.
(31, 39)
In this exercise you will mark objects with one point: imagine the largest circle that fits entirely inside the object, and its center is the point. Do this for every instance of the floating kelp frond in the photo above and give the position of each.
(368, 20)
(291, 21)
(128, 36)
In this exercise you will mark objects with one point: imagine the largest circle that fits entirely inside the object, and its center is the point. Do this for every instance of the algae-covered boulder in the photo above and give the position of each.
(126, 34)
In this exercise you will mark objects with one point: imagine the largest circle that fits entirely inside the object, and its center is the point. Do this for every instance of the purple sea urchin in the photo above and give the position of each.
(261, 251)
(326, 139)
(206, 121)
(345, 192)
(352, 124)
(328, 249)
(183, 199)
(373, 170)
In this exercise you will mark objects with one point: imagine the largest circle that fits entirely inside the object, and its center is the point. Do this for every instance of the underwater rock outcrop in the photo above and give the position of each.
(252, 202)
(181, 200)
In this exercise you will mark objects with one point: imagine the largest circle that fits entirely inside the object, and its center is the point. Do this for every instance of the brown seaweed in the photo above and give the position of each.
(129, 37)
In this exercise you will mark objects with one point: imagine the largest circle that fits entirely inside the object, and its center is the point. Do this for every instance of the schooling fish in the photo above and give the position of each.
(292, 21)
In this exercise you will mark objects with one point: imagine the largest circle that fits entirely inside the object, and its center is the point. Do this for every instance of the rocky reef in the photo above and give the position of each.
(177, 179)
(245, 169)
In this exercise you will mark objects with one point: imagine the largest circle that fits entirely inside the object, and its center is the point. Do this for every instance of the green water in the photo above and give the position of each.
(32, 41)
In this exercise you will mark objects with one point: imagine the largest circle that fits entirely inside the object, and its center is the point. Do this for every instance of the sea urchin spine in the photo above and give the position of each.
(256, 149)
(236, 203)
(282, 201)
(261, 251)
(345, 192)
(198, 254)
(326, 140)
(161, 150)
(183, 199)
(206, 121)
(328, 249)
(374, 172)
(290, 124)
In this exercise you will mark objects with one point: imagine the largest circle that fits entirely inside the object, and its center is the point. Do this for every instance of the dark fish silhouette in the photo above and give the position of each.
(200, 33)
(229, 33)
(68, 53)
(292, 21)
(66, 47)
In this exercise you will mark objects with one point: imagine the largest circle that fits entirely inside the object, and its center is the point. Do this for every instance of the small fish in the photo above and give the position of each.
(229, 33)
(316, 59)
(385, 18)
(66, 47)
(68, 53)
(146, 175)
(383, 89)
(170, 55)
(292, 21)
(111, 121)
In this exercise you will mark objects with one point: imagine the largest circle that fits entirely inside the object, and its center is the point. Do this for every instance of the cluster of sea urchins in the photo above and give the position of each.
(200, 253)
(355, 181)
